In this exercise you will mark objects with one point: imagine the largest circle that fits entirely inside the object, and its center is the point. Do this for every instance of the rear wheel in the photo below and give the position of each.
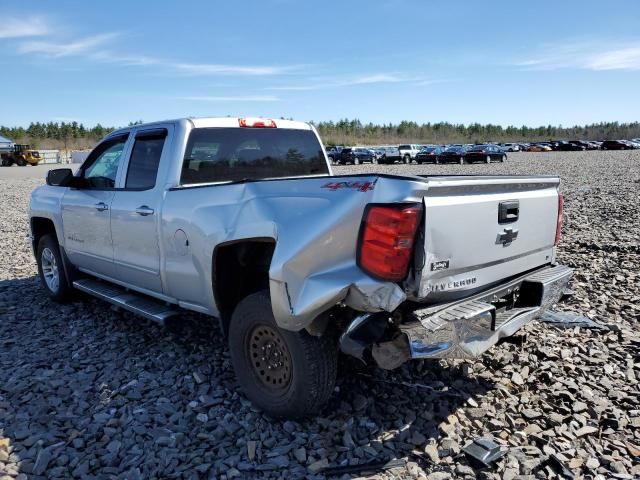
(286, 374)
(22, 162)
(356, 161)
(488, 159)
(461, 161)
(407, 159)
(503, 158)
(51, 269)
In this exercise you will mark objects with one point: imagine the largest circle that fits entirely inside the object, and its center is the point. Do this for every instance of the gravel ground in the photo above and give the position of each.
(89, 392)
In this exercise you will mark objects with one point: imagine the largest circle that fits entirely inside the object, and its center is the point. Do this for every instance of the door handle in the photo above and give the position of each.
(101, 206)
(144, 210)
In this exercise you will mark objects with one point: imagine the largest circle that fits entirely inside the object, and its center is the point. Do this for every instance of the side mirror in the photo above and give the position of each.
(59, 177)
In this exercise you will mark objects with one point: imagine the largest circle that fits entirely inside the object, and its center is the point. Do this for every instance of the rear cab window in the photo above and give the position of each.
(234, 154)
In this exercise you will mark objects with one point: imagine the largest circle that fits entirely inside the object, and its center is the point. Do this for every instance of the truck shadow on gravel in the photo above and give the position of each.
(87, 390)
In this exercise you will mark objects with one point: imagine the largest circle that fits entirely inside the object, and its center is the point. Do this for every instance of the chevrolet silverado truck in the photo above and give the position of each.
(241, 219)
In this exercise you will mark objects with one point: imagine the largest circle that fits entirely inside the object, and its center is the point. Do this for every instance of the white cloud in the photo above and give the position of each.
(28, 26)
(247, 98)
(218, 69)
(96, 48)
(330, 83)
(620, 59)
(85, 46)
(584, 56)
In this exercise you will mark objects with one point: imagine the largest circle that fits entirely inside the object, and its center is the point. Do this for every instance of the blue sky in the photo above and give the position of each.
(504, 62)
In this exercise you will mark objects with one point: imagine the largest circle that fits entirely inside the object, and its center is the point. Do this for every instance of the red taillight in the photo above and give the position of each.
(387, 241)
(560, 215)
(257, 123)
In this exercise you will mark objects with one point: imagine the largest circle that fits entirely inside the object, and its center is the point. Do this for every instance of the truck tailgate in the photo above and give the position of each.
(479, 231)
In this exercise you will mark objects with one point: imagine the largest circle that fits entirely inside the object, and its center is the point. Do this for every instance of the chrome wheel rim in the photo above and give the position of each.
(50, 270)
(269, 357)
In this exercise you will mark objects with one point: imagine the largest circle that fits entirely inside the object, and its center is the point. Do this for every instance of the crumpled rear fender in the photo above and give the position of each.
(319, 292)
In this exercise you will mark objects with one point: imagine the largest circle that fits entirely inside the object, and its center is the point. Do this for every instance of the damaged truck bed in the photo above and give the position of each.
(242, 219)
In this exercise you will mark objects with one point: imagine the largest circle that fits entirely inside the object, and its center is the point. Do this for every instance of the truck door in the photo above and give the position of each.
(86, 210)
(135, 213)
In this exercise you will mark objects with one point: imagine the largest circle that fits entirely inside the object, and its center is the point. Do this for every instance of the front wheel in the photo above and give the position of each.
(503, 158)
(407, 159)
(22, 162)
(356, 161)
(51, 269)
(286, 374)
(488, 159)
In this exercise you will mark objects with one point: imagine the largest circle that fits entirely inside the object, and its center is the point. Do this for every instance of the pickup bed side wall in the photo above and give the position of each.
(314, 223)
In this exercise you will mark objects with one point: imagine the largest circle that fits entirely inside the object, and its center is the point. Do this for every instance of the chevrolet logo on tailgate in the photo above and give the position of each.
(507, 236)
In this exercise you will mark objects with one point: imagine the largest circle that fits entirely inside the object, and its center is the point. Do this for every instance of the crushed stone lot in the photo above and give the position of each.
(90, 392)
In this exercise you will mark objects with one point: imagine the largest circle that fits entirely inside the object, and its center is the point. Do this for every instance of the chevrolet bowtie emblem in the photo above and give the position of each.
(507, 236)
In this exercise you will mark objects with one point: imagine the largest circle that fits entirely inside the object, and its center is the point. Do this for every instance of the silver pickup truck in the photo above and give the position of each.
(241, 219)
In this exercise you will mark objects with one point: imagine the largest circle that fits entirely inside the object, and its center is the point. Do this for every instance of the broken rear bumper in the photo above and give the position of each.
(468, 328)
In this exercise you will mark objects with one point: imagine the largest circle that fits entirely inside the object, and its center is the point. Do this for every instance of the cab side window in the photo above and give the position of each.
(145, 159)
(101, 167)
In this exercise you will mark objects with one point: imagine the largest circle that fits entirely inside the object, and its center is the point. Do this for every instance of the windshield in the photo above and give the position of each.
(232, 154)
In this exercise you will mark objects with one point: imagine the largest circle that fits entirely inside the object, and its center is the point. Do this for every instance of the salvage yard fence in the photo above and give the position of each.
(62, 156)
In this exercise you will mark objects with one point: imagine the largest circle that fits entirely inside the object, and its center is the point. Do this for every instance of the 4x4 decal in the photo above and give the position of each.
(360, 186)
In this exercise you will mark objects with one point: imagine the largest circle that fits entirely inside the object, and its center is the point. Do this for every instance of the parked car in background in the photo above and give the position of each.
(510, 147)
(356, 155)
(389, 155)
(539, 147)
(408, 152)
(452, 155)
(334, 153)
(615, 145)
(378, 152)
(485, 153)
(429, 155)
(581, 143)
(564, 146)
(635, 145)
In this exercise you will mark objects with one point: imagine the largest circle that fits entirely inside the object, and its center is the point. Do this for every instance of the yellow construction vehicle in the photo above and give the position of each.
(22, 155)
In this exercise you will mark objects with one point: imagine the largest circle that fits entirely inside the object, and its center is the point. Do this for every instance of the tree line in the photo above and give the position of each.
(351, 132)
(70, 135)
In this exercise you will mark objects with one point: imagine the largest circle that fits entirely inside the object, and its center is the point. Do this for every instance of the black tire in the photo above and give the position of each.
(356, 161)
(461, 160)
(407, 159)
(49, 253)
(301, 382)
(503, 158)
(22, 162)
(488, 159)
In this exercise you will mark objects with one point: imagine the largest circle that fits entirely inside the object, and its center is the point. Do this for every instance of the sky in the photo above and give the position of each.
(501, 62)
